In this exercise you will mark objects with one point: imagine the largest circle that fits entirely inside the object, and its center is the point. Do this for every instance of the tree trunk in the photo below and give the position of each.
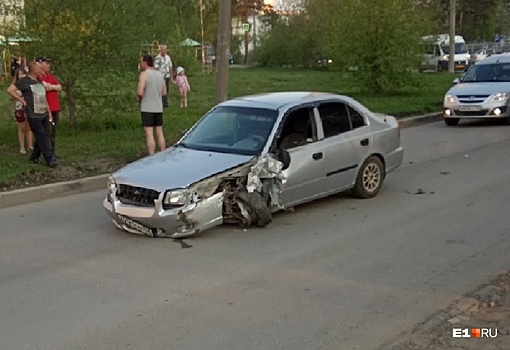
(71, 101)
(245, 48)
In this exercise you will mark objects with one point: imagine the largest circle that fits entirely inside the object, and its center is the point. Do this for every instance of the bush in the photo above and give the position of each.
(291, 42)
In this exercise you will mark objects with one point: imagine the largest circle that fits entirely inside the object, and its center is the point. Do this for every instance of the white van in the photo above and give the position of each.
(438, 49)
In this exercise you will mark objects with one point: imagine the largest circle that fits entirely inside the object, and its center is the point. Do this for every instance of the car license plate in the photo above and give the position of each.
(459, 66)
(470, 108)
(135, 226)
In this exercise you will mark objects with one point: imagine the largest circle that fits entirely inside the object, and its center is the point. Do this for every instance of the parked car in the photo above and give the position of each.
(482, 92)
(252, 156)
(481, 54)
(437, 53)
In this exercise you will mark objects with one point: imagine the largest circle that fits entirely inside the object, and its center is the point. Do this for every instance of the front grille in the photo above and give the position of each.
(472, 99)
(471, 113)
(137, 195)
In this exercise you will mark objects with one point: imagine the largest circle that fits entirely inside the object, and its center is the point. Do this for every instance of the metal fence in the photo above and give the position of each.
(502, 46)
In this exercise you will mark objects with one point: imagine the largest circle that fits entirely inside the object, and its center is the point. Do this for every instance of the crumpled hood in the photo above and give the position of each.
(176, 167)
(479, 88)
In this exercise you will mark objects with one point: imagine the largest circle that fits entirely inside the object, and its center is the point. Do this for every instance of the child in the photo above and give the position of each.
(182, 83)
(24, 131)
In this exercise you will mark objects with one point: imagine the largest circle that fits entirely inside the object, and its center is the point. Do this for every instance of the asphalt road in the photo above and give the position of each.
(338, 273)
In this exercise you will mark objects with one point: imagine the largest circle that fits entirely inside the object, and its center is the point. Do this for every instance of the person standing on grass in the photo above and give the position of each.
(163, 63)
(24, 132)
(15, 64)
(36, 110)
(182, 83)
(151, 89)
(52, 87)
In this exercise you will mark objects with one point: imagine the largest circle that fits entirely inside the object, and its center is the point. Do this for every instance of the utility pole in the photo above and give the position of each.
(223, 49)
(254, 20)
(451, 60)
(202, 34)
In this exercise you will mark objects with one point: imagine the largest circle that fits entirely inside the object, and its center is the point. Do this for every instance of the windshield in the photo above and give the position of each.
(484, 73)
(459, 48)
(239, 130)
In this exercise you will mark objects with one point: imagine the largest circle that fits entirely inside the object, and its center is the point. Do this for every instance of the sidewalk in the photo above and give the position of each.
(96, 183)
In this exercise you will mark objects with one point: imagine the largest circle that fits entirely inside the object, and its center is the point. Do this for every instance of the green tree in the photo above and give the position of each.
(381, 39)
(476, 20)
(88, 38)
(293, 41)
(243, 9)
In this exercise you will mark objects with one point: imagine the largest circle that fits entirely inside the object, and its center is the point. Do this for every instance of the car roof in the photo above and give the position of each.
(500, 58)
(277, 100)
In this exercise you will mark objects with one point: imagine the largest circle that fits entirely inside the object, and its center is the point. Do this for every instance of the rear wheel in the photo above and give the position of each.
(451, 121)
(370, 178)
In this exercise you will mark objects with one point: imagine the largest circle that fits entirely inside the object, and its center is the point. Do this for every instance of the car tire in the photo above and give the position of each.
(370, 178)
(257, 207)
(451, 121)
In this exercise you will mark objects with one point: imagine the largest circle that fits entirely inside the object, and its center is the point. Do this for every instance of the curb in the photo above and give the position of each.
(61, 189)
(426, 118)
(96, 183)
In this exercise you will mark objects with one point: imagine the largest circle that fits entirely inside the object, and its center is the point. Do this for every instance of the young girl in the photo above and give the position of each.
(24, 132)
(182, 83)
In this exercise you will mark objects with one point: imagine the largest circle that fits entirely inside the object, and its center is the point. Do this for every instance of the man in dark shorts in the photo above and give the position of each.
(151, 88)
(36, 110)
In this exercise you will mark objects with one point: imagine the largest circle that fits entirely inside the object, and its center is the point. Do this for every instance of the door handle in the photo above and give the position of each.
(317, 156)
(364, 142)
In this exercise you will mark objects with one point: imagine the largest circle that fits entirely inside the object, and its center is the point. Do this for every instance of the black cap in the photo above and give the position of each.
(43, 59)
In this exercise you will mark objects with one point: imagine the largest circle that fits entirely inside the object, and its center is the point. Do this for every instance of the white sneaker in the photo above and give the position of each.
(22, 151)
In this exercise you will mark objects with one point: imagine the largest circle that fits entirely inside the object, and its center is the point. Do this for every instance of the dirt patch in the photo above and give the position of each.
(41, 175)
(486, 308)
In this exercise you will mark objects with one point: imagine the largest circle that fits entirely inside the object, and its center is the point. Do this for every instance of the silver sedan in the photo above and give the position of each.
(482, 92)
(252, 156)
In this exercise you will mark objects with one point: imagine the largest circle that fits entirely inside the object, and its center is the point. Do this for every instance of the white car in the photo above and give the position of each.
(481, 54)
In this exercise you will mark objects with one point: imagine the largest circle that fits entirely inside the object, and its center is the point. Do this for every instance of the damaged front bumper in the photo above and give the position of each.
(208, 203)
(173, 223)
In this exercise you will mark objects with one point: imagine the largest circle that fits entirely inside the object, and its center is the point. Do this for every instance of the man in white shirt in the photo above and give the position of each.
(163, 63)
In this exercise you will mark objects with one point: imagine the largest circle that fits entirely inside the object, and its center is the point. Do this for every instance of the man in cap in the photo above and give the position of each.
(52, 87)
(36, 109)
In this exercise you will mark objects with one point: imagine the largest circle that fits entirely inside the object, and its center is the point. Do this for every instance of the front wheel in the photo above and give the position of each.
(370, 178)
(257, 208)
(451, 121)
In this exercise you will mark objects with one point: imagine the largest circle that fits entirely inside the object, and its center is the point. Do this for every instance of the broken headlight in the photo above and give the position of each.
(112, 185)
(176, 198)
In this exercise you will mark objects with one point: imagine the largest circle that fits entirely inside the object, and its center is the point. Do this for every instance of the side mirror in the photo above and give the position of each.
(456, 80)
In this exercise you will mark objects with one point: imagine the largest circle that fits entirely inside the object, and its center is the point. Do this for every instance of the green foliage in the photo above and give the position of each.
(89, 38)
(293, 42)
(380, 39)
(187, 57)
